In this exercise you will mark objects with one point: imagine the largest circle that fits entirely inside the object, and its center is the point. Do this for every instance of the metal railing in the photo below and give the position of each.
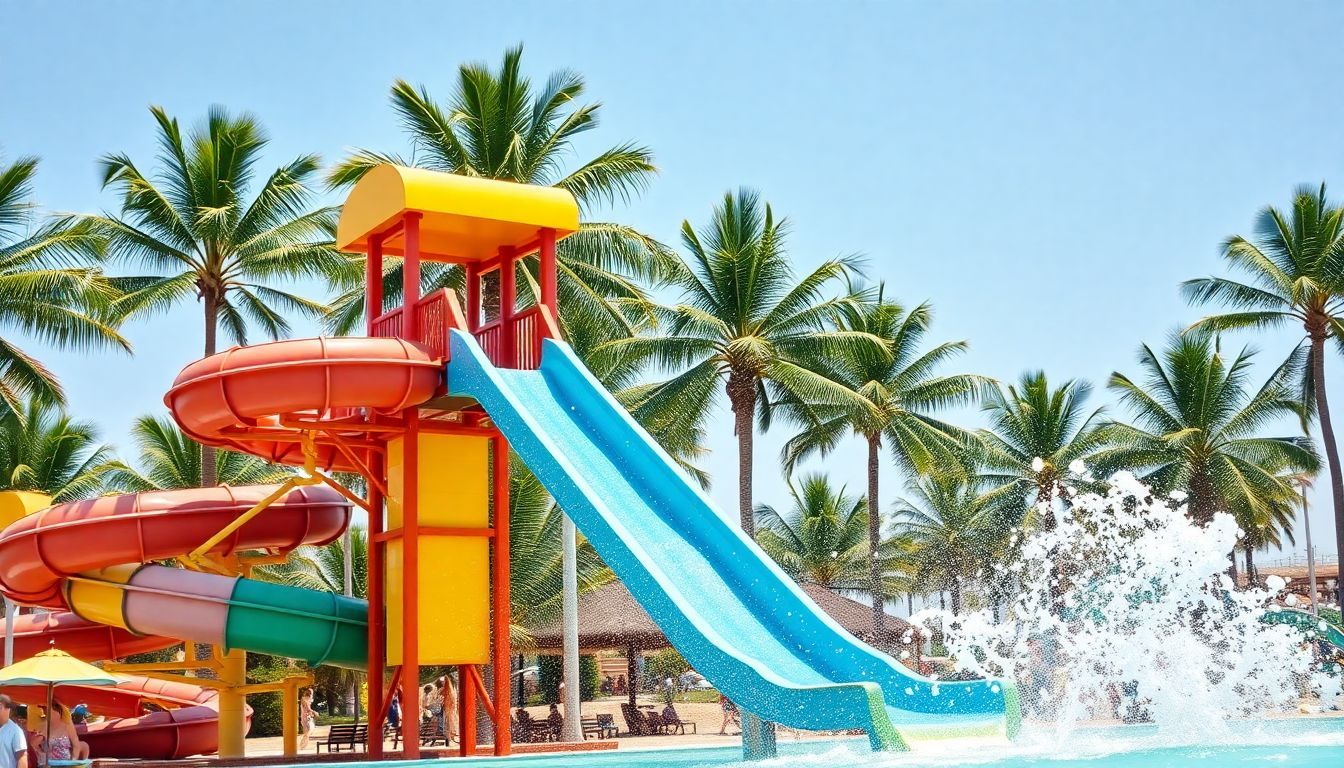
(1299, 561)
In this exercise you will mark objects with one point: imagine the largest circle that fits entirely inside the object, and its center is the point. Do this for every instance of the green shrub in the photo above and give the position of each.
(162, 656)
(268, 714)
(1332, 615)
(662, 665)
(551, 670)
(590, 678)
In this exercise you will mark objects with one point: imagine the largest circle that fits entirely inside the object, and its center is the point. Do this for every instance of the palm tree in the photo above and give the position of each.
(322, 569)
(587, 334)
(47, 290)
(1267, 527)
(1199, 430)
(535, 568)
(497, 125)
(955, 531)
(43, 449)
(169, 459)
(1036, 435)
(901, 390)
(822, 539)
(1295, 262)
(746, 322)
(194, 224)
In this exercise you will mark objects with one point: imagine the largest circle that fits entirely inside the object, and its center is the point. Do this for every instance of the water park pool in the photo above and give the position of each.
(1315, 743)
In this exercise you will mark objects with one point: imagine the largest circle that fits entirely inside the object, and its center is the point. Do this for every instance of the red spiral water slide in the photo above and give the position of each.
(246, 399)
(40, 552)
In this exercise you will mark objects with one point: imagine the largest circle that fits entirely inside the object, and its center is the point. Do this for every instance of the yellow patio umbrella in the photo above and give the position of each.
(51, 668)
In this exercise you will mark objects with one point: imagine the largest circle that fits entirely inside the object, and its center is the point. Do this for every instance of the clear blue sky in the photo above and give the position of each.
(1045, 174)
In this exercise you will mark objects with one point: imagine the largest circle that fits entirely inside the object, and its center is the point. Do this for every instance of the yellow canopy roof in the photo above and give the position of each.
(464, 218)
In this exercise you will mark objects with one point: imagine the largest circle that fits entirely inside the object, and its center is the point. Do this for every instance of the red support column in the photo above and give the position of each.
(410, 576)
(377, 616)
(466, 718)
(508, 357)
(410, 276)
(503, 677)
(373, 281)
(473, 296)
(546, 271)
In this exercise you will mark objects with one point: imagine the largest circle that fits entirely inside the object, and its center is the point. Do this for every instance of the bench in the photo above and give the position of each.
(343, 735)
(593, 726)
(431, 733)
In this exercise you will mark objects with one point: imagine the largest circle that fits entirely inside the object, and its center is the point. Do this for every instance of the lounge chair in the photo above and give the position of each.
(672, 722)
(636, 723)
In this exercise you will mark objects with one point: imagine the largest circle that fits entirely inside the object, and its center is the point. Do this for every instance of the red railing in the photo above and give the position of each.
(526, 329)
(491, 338)
(388, 324)
(527, 335)
(435, 314)
(440, 312)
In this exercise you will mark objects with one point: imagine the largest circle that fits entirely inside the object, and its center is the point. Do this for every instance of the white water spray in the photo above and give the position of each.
(1124, 610)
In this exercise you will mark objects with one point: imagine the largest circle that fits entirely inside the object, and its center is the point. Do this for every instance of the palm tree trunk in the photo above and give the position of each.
(1331, 449)
(875, 538)
(1251, 576)
(956, 597)
(348, 561)
(1203, 498)
(209, 473)
(742, 396)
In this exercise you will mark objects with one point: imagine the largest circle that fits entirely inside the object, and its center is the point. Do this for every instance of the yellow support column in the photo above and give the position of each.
(232, 675)
(289, 711)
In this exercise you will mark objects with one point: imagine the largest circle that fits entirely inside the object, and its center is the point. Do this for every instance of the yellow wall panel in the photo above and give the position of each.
(454, 579)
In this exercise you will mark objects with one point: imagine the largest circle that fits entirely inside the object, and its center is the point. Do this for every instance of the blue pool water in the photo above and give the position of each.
(1316, 743)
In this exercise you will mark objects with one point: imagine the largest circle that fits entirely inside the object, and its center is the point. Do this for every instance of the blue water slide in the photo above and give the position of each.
(721, 602)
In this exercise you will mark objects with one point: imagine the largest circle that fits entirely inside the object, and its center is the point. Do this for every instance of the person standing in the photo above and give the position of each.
(307, 718)
(394, 711)
(13, 742)
(730, 715)
(427, 702)
(448, 711)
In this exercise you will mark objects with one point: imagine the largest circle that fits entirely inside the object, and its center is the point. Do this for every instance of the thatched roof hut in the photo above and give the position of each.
(611, 619)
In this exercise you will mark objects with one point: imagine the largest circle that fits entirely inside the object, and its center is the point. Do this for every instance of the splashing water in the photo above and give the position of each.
(1124, 610)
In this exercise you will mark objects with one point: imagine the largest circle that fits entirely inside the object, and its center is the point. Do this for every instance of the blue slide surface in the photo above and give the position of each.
(725, 606)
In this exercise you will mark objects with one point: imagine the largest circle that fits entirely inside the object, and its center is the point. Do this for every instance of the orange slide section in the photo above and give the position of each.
(40, 555)
(265, 400)
(238, 399)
